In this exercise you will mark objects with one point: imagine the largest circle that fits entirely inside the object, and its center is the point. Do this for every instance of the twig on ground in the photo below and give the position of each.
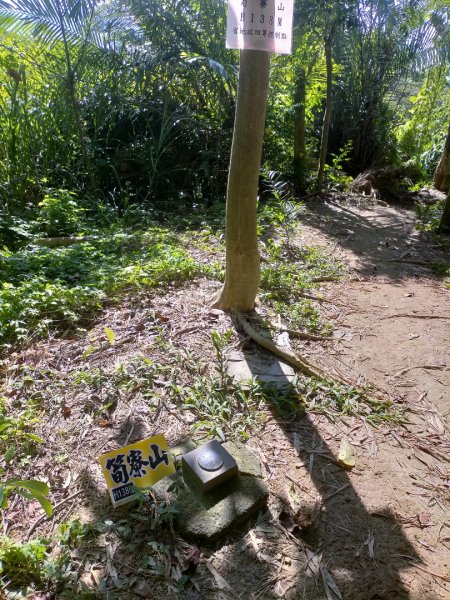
(435, 453)
(407, 369)
(325, 300)
(413, 316)
(425, 570)
(338, 491)
(46, 517)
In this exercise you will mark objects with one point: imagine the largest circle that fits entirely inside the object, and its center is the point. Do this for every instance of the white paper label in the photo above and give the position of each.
(260, 25)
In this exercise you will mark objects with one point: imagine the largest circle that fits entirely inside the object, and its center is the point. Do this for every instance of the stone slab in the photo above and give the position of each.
(262, 367)
(247, 462)
(206, 517)
(182, 448)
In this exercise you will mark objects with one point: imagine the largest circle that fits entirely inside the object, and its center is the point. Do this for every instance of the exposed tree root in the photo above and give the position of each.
(57, 242)
(290, 357)
(302, 335)
(301, 363)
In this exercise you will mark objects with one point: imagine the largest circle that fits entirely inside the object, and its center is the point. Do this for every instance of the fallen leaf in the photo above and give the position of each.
(110, 335)
(308, 514)
(98, 574)
(314, 561)
(287, 520)
(77, 554)
(110, 568)
(370, 543)
(191, 561)
(346, 456)
(282, 586)
(142, 588)
(161, 317)
(254, 540)
(424, 520)
(329, 584)
(343, 334)
(221, 583)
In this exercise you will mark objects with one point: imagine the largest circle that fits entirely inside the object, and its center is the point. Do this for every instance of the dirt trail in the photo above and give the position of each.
(397, 332)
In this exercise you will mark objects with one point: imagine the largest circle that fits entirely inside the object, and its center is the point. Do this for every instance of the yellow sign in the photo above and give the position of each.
(138, 465)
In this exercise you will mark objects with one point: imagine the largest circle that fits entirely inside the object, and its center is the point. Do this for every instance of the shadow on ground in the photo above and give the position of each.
(363, 551)
(378, 239)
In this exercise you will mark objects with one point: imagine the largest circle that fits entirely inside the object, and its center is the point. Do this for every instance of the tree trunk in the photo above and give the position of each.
(444, 224)
(442, 173)
(300, 134)
(242, 256)
(327, 115)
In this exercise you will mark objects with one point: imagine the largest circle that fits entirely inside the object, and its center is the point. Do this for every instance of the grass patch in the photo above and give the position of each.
(441, 269)
(17, 440)
(284, 280)
(335, 401)
(44, 289)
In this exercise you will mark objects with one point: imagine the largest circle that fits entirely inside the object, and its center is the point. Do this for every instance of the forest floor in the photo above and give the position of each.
(380, 531)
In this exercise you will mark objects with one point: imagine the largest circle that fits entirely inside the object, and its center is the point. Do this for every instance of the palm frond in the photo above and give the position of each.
(48, 20)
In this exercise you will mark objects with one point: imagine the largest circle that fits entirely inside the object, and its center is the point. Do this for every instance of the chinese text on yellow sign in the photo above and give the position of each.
(139, 465)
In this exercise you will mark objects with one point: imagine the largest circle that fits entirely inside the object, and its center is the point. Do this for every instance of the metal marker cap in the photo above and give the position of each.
(209, 460)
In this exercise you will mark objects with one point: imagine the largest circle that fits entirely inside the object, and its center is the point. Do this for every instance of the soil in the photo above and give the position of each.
(380, 531)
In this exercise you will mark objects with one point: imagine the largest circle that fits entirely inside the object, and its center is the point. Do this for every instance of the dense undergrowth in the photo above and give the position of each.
(44, 289)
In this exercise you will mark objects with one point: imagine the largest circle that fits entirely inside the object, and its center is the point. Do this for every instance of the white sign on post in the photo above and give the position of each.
(260, 25)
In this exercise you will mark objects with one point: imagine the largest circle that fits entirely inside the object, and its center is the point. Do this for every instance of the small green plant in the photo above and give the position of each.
(221, 343)
(16, 439)
(336, 176)
(27, 488)
(59, 213)
(302, 315)
(280, 213)
(22, 564)
(335, 400)
(441, 269)
(74, 533)
(429, 215)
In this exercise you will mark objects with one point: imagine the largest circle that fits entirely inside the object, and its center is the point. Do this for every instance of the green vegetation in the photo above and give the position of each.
(429, 215)
(47, 288)
(334, 401)
(116, 121)
(27, 488)
(16, 430)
